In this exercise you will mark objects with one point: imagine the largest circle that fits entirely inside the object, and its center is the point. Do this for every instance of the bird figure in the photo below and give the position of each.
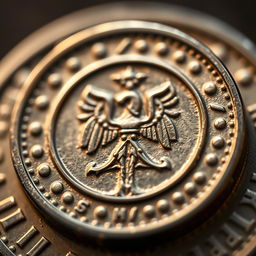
(148, 115)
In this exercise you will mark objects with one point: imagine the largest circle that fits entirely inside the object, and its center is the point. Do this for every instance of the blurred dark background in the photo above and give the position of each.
(18, 18)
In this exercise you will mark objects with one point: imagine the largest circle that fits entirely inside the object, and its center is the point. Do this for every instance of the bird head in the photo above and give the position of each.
(129, 78)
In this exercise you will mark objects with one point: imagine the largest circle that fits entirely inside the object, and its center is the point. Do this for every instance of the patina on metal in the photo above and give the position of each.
(149, 89)
(132, 89)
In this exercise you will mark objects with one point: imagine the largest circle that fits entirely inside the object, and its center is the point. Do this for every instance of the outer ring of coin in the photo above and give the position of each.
(4, 250)
(48, 208)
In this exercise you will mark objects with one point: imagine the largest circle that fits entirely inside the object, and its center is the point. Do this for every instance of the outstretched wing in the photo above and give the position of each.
(161, 128)
(95, 112)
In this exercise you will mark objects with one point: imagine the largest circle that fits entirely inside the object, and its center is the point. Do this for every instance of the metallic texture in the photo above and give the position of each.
(129, 130)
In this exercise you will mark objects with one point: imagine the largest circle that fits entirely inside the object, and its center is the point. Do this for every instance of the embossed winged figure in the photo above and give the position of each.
(147, 114)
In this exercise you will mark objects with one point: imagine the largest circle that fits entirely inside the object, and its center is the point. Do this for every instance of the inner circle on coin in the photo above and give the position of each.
(125, 111)
(126, 117)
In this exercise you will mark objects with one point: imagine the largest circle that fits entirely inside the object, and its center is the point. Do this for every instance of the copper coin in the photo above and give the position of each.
(243, 222)
(112, 150)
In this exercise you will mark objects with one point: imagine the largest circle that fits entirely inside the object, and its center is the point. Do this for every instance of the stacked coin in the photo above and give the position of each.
(122, 135)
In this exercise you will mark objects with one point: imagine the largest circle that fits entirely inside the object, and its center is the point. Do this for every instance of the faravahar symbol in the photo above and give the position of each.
(148, 114)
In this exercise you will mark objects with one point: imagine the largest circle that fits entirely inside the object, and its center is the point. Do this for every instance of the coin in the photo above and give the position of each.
(241, 214)
(95, 131)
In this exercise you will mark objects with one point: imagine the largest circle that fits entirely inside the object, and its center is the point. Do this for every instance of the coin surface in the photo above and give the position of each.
(120, 130)
(238, 223)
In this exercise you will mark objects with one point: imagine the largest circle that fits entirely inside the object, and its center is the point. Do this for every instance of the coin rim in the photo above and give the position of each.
(4, 250)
